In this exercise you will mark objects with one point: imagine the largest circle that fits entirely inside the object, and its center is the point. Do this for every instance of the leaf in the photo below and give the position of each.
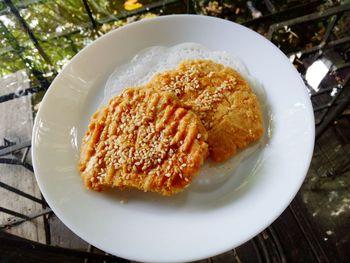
(131, 5)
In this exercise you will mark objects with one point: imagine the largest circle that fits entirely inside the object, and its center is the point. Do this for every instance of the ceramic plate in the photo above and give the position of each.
(194, 224)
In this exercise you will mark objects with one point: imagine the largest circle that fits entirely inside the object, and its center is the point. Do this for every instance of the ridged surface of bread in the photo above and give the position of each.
(223, 100)
(143, 139)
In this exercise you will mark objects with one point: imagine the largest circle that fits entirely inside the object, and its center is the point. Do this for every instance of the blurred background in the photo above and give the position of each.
(38, 37)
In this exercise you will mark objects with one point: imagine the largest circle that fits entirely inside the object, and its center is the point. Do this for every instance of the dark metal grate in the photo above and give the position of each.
(330, 100)
(337, 91)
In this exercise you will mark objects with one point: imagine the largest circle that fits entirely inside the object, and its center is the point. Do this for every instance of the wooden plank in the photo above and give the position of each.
(225, 257)
(63, 237)
(18, 131)
(294, 244)
(16, 125)
(325, 196)
(15, 249)
(15, 82)
(247, 253)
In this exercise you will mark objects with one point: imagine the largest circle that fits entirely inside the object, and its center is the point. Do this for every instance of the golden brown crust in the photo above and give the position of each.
(223, 100)
(143, 139)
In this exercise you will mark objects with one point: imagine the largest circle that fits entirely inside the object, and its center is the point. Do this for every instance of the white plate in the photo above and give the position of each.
(194, 224)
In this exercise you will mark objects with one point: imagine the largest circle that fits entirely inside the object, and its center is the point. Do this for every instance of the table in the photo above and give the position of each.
(39, 37)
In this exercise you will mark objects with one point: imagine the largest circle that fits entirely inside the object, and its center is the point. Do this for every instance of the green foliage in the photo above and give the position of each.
(62, 49)
(63, 27)
(54, 17)
(50, 21)
(10, 63)
(103, 8)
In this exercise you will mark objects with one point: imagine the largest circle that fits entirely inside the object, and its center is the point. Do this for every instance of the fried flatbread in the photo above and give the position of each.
(223, 100)
(143, 139)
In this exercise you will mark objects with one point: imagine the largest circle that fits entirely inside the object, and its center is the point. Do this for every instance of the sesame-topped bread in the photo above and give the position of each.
(223, 100)
(143, 139)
